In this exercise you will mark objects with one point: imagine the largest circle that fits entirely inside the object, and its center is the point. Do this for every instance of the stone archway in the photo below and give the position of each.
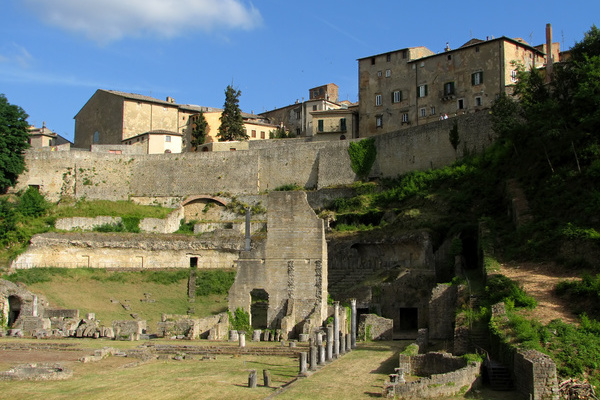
(14, 309)
(203, 207)
(259, 307)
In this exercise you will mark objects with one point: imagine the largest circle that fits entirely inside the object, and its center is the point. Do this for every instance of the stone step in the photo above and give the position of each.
(499, 377)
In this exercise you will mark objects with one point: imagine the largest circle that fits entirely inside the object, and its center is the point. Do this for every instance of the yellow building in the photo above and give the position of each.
(113, 117)
(414, 86)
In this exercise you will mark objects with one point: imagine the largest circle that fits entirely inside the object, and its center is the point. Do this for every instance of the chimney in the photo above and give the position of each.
(447, 47)
(549, 59)
(170, 99)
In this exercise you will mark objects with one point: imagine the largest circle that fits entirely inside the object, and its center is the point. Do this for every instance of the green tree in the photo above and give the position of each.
(14, 140)
(32, 203)
(232, 123)
(199, 131)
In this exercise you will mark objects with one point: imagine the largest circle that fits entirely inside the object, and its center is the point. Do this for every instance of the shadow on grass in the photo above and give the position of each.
(387, 366)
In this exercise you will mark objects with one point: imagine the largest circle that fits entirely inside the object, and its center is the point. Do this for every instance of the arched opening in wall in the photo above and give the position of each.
(14, 309)
(193, 262)
(342, 137)
(203, 208)
(470, 249)
(409, 319)
(259, 305)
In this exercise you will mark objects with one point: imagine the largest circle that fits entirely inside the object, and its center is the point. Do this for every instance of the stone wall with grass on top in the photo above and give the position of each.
(81, 174)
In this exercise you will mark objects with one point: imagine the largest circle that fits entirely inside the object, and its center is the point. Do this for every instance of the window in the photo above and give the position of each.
(314, 108)
(377, 99)
(513, 75)
(379, 74)
(448, 88)
(476, 49)
(388, 73)
(388, 57)
(372, 60)
(262, 134)
(449, 57)
(404, 54)
(253, 133)
(422, 91)
(343, 124)
(298, 131)
(379, 121)
(423, 112)
(298, 114)
(96, 137)
(432, 110)
(405, 118)
(461, 104)
(477, 78)
(320, 125)
(167, 138)
(478, 101)
(396, 96)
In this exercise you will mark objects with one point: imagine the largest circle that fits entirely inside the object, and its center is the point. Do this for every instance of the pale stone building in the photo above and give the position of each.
(414, 86)
(44, 137)
(113, 117)
(298, 118)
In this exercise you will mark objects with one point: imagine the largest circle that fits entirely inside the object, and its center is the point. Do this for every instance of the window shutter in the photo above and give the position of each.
(400, 96)
(393, 100)
(473, 79)
(481, 77)
(425, 90)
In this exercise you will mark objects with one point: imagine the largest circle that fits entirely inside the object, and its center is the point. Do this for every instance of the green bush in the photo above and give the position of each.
(117, 227)
(32, 203)
(213, 281)
(362, 156)
(131, 223)
(240, 320)
(500, 288)
(36, 275)
(186, 227)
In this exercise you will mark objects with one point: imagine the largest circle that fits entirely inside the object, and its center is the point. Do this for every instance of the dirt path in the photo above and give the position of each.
(539, 281)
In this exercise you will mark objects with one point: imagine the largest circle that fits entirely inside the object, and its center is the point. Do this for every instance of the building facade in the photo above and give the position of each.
(298, 118)
(414, 86)
(113, 117)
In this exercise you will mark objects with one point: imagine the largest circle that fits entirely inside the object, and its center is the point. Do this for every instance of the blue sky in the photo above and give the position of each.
(54, 54)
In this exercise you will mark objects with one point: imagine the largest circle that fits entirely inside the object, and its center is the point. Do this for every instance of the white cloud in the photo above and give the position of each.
(108, 20)
(15, 54)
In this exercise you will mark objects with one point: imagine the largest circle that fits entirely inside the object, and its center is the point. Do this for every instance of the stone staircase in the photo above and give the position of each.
(499, 376)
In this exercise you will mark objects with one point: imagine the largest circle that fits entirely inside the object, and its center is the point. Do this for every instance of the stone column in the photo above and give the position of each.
(267, 377)
(348, 343)
(342, 343)
(329, 342)
(302, 363)
(252, 379)
(321, 354)
(242, 336)
(336, 329)
(353, 323)
(313, 354)
(256, 335)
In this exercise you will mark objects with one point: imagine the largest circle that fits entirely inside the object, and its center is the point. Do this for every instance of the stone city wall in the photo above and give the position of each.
(94, 175)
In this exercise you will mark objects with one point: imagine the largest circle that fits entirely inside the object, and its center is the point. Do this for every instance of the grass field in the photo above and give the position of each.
(357, 375)
(105, 294)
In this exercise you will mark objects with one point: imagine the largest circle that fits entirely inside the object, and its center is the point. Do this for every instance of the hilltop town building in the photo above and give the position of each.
(414, 86)
(44, 137)
(320, 117)
(113, 118)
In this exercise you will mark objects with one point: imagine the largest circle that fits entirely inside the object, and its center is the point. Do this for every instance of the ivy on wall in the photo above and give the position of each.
(362, 156)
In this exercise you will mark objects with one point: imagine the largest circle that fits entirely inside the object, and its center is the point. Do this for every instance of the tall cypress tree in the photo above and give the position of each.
(232, 123)
(199, 131)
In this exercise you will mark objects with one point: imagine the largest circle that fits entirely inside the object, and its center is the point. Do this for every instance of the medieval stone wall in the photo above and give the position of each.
(279, 162)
